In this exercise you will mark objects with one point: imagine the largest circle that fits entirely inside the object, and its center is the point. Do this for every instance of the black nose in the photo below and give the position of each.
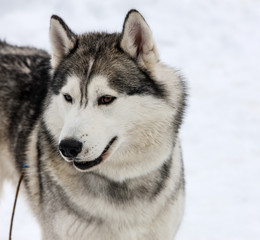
(70, 147)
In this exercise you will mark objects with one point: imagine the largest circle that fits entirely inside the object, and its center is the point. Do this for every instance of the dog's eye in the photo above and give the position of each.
(107, 99)
(68, 98)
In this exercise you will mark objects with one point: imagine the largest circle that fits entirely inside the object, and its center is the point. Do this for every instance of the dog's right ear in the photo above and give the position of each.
(62, 40)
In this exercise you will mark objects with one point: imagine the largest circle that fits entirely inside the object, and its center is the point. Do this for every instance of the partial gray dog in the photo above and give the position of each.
(97, 124)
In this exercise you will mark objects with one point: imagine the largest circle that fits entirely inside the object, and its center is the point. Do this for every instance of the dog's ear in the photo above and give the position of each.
(62, 40)
(137, 39)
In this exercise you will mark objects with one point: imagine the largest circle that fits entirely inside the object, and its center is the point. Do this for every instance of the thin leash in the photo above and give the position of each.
(15, 200)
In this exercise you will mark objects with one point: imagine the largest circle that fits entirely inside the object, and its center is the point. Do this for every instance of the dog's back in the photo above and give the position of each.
(24, 76)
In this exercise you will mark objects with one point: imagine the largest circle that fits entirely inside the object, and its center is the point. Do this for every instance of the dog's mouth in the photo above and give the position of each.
(85, 165)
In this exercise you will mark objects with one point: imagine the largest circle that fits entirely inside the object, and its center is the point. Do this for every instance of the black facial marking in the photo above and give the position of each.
(123, 73)
(59, 78)
(138, 82)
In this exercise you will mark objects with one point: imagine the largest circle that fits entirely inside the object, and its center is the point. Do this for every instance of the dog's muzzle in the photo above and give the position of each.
(70, 149)
(85, 165)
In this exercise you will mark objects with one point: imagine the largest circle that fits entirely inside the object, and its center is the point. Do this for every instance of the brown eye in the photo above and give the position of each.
(68, 98)
(107, 99)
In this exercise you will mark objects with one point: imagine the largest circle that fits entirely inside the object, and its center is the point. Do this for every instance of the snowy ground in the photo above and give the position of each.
(216, 44)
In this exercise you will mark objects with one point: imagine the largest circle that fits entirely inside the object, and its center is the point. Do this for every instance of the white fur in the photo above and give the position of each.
(143, 125)
(129, 118)
(156, 219)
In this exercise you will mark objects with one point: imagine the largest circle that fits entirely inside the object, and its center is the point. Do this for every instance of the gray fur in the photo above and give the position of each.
(144, 207)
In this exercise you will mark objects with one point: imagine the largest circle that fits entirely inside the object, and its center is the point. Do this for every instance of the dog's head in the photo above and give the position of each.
(113, 107)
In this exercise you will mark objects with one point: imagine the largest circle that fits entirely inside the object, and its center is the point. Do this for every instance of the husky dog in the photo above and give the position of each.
(97, 124)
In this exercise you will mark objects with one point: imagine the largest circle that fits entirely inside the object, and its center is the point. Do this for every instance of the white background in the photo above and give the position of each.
(216, 45)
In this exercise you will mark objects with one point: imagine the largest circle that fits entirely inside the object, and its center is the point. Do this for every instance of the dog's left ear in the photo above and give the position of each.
(137, 39)
(62, 40)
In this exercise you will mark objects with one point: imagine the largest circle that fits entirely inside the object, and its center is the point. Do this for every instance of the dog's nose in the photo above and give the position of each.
(70, 147)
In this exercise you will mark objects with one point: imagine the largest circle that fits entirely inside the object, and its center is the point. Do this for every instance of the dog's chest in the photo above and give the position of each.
(69, 226)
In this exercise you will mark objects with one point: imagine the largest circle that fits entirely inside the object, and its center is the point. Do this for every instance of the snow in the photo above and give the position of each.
(216, 45)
